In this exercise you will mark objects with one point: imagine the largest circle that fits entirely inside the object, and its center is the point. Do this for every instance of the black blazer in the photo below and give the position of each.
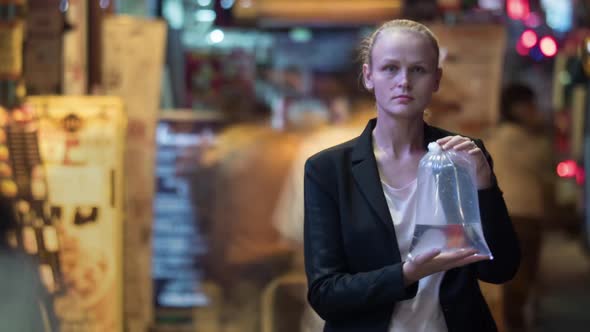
(352, 258)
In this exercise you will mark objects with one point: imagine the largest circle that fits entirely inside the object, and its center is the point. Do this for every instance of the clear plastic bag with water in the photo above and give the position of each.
(447, 206)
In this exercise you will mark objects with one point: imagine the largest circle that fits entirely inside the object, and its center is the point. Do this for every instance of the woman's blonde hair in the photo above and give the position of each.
(366, 48)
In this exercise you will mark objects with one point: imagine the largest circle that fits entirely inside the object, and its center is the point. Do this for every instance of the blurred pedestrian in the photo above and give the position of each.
(523, 166)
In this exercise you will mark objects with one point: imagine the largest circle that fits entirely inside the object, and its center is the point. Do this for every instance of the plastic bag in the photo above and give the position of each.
(447, 207)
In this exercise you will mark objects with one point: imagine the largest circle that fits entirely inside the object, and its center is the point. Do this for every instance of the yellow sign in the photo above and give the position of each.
(81, 141)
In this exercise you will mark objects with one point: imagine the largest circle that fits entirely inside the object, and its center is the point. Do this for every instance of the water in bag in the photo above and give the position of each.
(447, 206)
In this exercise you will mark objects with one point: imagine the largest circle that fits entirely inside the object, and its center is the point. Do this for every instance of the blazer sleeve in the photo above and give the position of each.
(498, 232)
(333, 291)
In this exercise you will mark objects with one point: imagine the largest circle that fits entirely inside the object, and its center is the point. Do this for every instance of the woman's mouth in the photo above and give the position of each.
(403, 98)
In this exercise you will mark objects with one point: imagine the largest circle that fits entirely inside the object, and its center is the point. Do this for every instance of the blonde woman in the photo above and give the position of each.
(359, 200)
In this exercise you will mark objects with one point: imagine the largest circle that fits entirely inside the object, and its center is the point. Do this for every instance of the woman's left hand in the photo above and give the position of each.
(474, 153)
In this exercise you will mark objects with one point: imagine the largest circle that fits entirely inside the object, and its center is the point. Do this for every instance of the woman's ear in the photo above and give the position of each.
(439, 73)
(367, 77)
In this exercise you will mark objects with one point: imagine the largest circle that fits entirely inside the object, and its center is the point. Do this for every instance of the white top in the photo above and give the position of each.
(423, 312)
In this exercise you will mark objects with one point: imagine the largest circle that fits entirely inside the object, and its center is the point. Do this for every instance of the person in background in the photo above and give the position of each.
(526, 176)
(358, 208)
(25, 305)
(288, 216)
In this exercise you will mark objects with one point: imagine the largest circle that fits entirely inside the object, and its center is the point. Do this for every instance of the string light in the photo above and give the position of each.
(567, 168)
(517, 9)
(528, 38)
(226, 4)
(173, 11)
(64, 5)
(559, 14)
(205, 15)
(533, 20)
(216, 36)
(548, 46)
(521, 49)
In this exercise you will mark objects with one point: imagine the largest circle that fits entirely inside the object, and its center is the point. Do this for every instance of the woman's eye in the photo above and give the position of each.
(391, 68)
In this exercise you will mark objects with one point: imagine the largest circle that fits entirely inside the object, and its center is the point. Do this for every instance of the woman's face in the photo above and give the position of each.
(404, 73)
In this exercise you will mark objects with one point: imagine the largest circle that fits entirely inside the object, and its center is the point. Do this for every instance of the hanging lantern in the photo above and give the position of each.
(517, 9)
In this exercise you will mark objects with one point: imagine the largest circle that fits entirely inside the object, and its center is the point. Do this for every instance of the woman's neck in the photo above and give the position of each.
(400, 136)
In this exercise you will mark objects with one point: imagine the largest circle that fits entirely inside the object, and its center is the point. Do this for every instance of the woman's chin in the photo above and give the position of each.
(403, 112)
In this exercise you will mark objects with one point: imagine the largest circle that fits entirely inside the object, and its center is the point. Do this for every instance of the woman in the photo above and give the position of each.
(358, 208)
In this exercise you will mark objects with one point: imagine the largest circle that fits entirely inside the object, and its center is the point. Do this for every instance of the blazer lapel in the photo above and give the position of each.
(366, 176)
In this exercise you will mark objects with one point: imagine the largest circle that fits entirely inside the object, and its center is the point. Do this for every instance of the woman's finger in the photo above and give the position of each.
(425, 257)
(457, 255)
(468, 144)
(461, 258)
(453, 141)
(474, 151)
(470, 260)
(443, 140)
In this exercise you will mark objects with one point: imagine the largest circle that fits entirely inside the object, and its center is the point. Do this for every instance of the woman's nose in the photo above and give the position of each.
(403, 79)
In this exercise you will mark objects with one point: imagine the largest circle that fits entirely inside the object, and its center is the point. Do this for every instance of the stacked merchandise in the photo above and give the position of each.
(21, 171)
(23, 181)
(22, 178)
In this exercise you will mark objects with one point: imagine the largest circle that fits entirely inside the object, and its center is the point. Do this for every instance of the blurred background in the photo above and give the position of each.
(152, 151)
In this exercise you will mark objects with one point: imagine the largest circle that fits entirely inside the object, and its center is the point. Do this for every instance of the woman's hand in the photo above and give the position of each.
(433, 262)
(482, 168)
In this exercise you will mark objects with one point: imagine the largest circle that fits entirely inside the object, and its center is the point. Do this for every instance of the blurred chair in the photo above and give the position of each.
(208, 318)
(283, 301)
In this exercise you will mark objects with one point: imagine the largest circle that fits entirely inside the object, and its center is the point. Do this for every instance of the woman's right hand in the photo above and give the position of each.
(433, 262)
